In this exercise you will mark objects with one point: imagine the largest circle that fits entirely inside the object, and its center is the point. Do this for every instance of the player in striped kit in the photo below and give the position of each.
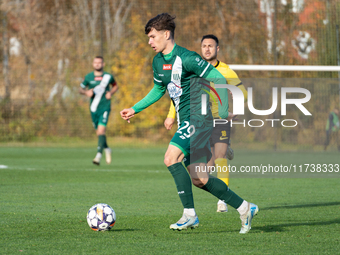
(99, 86)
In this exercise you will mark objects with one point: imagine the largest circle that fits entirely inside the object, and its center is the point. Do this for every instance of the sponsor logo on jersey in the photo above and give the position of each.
(98, 78)
(167, 67)
(201, 63)
(160, 74)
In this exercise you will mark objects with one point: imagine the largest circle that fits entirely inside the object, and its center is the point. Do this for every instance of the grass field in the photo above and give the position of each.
(46, 191)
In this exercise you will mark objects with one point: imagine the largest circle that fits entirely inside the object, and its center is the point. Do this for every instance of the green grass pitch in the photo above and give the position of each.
(46, 191)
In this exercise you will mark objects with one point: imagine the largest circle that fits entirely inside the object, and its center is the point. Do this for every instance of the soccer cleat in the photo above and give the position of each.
(222, 206)
(108, 155)
(230, 153)
(97, 159)
(247, 218)
(185, 222)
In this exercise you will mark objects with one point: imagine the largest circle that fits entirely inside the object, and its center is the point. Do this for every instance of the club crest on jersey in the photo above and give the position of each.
(98, 78)
(167, 67)
(174, 90)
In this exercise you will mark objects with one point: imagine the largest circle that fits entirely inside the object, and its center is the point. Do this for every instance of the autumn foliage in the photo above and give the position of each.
(58, 40)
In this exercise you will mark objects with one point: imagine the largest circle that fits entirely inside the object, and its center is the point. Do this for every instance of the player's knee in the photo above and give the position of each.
(220, 154)
(100, 131)
(168, 161)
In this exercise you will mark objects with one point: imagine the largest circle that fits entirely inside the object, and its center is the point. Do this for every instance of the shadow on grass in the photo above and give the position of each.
(124, 230)
(279, 227)
(299, 206)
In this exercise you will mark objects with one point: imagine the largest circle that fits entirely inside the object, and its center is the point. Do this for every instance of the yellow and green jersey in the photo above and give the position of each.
(232, 79)
(100, 85)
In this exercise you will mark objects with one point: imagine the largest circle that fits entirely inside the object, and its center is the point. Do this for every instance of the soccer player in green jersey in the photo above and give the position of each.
(178, 70)
(96, 86)
(332, 128)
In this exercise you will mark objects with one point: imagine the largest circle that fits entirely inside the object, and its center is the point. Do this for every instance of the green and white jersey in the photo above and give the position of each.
(100, 85)
(333, 122)
(175, 73)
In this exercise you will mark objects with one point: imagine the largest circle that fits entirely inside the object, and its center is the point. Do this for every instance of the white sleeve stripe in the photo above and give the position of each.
(82, 85)
(157, 80)
(204, 70)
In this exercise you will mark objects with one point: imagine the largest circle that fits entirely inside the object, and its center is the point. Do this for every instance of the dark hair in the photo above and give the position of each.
(163, 21)
(100, 58)
(210, 37)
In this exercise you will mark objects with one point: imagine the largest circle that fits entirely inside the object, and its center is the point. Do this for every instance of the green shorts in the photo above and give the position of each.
(192, 138)
(100, 118)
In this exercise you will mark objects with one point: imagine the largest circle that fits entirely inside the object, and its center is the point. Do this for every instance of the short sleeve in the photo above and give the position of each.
(85, 83)
(112, 80)
(156, 78)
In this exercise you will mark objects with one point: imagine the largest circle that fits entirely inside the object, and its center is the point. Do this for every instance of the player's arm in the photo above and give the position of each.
(113, 90)
(170, 119)
(218, 78)
(194, 63)
(232, 79)
(244, 91)
(83, 89)
(152, 97)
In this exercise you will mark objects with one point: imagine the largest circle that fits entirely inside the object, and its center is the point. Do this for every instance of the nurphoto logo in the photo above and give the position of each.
(238, 105)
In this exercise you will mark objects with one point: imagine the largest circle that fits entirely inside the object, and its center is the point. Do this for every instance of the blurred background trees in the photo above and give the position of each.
(47, 47)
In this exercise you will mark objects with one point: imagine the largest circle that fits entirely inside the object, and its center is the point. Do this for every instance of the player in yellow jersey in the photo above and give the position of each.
(220, 138)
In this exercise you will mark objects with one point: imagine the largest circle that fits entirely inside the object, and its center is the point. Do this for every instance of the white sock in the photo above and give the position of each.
(99, 155)
(190, 212)
(243, 207)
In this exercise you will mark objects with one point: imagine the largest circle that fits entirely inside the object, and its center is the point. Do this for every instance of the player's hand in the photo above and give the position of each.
(126, 114)
(168, 123)
(108, 95)
(231, 116)
(89, 92)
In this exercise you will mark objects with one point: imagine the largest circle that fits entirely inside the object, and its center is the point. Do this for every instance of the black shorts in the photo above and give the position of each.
(220, 134)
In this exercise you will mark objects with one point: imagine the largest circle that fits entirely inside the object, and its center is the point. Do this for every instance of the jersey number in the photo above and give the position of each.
(188, 130)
